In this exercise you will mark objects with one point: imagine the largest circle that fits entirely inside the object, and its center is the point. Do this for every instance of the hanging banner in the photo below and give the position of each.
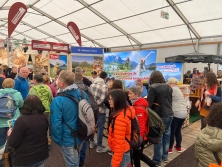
(170, 70)
(74, 30)
(50, 46)
(130, 66)
(15, 15)
(57, 63)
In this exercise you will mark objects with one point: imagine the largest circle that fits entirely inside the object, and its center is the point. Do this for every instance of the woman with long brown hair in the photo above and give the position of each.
(203, 103)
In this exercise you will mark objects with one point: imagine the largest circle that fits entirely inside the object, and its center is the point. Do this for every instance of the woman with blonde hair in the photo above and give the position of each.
(8, 85)
(180, 113)
(46, 81)
(204, 102)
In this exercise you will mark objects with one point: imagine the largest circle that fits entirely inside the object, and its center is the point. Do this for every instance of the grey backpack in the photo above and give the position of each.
(86, 120)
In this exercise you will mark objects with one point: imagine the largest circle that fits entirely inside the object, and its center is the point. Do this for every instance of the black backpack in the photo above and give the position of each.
(135, 140)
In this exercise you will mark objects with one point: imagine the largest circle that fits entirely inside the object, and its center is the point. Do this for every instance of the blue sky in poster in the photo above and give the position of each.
(170, 70)
(88, 59)
(61, 61)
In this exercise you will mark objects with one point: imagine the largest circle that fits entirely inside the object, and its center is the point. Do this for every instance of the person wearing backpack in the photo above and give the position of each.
(45, 94)
(160, 100)
(120, 128)
(64, 110)
(17, 102)
(140, 105)
(80, 84)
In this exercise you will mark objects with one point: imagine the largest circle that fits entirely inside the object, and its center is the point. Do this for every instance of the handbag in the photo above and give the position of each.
(218, 161)
(6, 160)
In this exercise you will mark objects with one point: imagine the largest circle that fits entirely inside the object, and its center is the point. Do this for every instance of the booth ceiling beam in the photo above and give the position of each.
(4, 3)
(183, 18)
(64, 25)
(109, 21)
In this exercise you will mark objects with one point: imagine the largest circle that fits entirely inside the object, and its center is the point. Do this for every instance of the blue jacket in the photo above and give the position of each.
(22, 86)
(64, 109)
(216, 98)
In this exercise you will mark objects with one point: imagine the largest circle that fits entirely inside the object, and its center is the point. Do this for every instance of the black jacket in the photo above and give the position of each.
(12, 75)
(29, 139)
(161, 95)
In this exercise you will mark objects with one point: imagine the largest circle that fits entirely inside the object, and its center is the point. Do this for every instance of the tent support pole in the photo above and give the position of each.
(197, 45)
(208, 67)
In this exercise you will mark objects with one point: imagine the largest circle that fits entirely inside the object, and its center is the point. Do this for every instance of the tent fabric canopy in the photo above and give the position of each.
(116, 23)
(195, 57)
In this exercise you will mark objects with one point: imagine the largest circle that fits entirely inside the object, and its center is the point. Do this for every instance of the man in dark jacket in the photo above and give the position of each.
(13, 73)
(85, 80)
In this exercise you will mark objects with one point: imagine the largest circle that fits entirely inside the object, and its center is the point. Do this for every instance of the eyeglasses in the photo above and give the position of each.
(110, 99)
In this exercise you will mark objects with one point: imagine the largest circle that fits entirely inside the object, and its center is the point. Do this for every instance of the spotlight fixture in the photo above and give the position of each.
(39, 51)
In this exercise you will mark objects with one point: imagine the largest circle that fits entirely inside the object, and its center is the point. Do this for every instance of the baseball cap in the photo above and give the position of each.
(94, 72)
(79, 69)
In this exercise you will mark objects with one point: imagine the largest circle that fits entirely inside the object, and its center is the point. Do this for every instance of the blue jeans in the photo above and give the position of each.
(37, 164)
(83, 151)
(100, 124)
(161, 150)
(3, 135)
(125, 160)
(71, 155)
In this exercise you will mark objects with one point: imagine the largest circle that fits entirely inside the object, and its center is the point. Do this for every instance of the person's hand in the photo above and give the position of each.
(207, 93)
(197, 103)
(9, 132)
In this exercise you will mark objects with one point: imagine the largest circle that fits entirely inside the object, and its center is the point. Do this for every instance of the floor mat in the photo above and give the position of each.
(185, 159)
(194, 117)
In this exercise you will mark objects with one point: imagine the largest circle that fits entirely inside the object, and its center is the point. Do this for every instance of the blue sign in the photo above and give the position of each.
(170, 70)
(86, 50)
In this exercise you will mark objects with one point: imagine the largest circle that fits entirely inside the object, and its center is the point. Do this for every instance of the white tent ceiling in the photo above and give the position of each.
(114, 23)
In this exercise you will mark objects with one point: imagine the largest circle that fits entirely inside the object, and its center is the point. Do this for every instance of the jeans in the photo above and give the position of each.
(37, 164)
(100, 123)
(3, 135)
(71, 155)
(161, 150)
(176, 126)
(125, 160)
(83, 152)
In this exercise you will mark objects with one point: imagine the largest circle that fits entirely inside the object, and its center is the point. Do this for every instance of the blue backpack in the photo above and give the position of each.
(7, 106)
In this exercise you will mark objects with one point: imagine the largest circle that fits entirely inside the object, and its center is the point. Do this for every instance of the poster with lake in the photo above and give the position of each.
(130, 66)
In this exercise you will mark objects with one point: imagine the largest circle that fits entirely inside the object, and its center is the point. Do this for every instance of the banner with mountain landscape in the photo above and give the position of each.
(170, 70)
(88, 63)
(130, 66)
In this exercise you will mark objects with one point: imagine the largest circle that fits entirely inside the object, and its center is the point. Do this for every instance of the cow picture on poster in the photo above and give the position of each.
(57, 63)
(130, 66)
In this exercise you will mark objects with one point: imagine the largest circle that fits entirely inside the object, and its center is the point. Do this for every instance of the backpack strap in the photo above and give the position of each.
(217, 158)
(73, 132)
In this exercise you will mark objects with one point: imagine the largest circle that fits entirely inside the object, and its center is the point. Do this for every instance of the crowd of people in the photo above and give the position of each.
(45, 104)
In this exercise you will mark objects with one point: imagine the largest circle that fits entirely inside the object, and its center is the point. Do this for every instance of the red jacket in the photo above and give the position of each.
(140, 106)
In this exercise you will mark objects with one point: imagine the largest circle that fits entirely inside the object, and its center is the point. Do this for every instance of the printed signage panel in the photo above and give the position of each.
(170, 70)
(130, 66)
(15, 15)
(86, 50)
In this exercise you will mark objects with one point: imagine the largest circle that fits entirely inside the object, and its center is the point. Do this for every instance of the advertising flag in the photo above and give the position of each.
(74, 30)
(15, 15)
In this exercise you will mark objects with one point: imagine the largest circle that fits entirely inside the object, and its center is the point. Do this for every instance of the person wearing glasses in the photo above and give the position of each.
(120, 127)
